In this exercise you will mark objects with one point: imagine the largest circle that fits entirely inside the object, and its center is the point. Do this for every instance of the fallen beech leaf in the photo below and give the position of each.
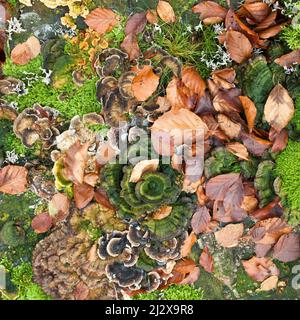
(257, 10)
(238, 150)
(136, 23)
(102, 20)
(13, 179)
(165, 12)
(192, 80)
(41, 223)
(145, 83)
(192, 277)
(254, 144)
(74, 162)
(287, 248)
(250, 111)
(91, 179)
(281, 141)
(176, 95)
(59, 207)
(188, 244)
(272, 210)
(229, 236)
(227, 101)
(230, 128)
(131, 47)
(249, 203)
(200, 220)
(270, 32)
(227, 74)
(269, 284)
(83, 195)
(259, 269)
(102, 198)
(289, 59)
(81, 291)
(164, 104)
(206, 260)
(152, 17)
(162, 213)
(143, 167)
(26, 51)
(279, 108)
(210, 9)
(238, 46)
(268, 231)
(267, 22)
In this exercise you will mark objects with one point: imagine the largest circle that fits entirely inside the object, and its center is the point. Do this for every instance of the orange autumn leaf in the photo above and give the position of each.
(26, 51)
(41, 223)
(75, 161)
(230, 235)
(152, 17)
(188, 244)
(289, 59)
(59, 207)
(257, 10)
(250, 111)
(210, 12)
(238, 46)
(176, 94)
(193, 81)
(165, 12)
(145, 83)
(13, 179)
(270, 32)
(102, 20)
(83, 195)
(238, 150)
(206, 260)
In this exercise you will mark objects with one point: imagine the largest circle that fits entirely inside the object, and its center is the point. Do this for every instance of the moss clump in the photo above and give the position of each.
(292, 37)
(288, 168)
(174, 292)
(76, 101)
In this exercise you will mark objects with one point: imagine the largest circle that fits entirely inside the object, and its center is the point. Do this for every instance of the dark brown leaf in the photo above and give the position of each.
(289, 59)
(254, 144)
(83, 195)
(131, 47)
(102, 198)
(238, 46)
(136, 23)
(250, 111)
(287, 248)
(41, 223)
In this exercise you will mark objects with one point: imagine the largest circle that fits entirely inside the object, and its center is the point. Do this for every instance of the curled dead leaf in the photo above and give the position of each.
(230, 128)
(83, 195)
(200, 220)
(289, 59)
(238, 150)
(165, 11)
(229, 236)
(143, 167)
(188, 244)
(131, 47)
(162, 213)
(250, 111)
(210, 12)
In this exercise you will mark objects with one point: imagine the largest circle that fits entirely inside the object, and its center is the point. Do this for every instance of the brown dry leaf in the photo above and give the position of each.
(254, 144)
(227, 101)
(165, 12)
(152, 17)
(145, 83)
(169, 129)
(259, 11)
(75, 161)
(218, 187)
(176, 95)
(26, 51)
(227, 74)
(136, 23)
(269, 284)
(200, 220)
(281, 141)
(272, 210)
(259, 269)
(287, 248)
(131, 47)
(206, 260)
(208, 10)
(229, 236)
(250, 111)
(270, 32)
(192, 80)
(268, 231)
(102, 198)
(143, 167)
(192, 277)
(91, 179)
(188, 244)
(164, 104)
(249, 203)
(289, 59)
(238, 150)
(102, 20)
(230, 128)
(267, 22)
(13, 179)
(238, 46)
(41, 223)
(279, 108)
(83, 195)
(162, 213)
(59, 207)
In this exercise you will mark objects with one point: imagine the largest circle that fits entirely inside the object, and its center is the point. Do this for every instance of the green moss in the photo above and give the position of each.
(19, 71)
(292, 37)
(174, 292)
(244, 284)
(78, 101)
(288, 168)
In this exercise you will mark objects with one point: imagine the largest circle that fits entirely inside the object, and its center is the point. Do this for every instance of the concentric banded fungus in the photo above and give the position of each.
(7, 112)
(37, 124)
(11, 85)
